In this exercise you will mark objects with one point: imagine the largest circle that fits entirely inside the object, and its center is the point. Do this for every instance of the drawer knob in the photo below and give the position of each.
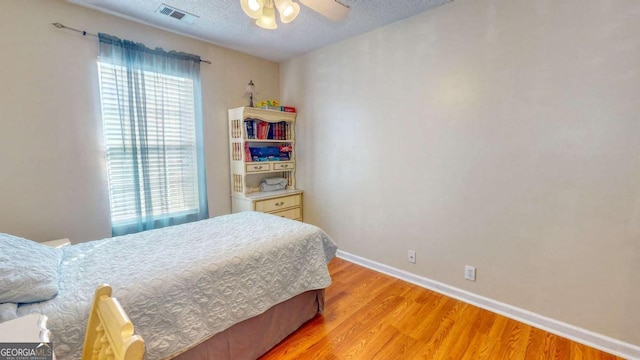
(259, 167)
(285, 165)
(279, 203)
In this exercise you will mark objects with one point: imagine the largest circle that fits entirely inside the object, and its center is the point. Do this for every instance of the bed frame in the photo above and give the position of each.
(248, 339)
(253, 337)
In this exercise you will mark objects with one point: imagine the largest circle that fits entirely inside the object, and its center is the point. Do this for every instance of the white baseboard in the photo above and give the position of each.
(580, 335)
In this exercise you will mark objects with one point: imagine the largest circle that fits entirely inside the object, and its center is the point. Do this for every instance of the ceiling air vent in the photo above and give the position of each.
(181, 15)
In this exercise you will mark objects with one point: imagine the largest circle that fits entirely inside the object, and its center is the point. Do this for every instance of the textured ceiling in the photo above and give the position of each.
(223, 22)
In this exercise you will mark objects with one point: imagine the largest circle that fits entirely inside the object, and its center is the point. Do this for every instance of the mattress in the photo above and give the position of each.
(182, 284)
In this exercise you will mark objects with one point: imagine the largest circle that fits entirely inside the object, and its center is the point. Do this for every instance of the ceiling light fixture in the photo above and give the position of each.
(253, 8)
(288, 10)
(268, 18)
(264, 11)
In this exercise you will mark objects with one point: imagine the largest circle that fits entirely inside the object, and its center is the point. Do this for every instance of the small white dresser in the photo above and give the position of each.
(29, 328)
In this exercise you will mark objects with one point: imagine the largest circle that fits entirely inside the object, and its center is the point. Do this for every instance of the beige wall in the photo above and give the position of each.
(53, 175)
(500, 134)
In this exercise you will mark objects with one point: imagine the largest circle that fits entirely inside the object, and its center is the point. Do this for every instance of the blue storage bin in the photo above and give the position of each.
(269, 153)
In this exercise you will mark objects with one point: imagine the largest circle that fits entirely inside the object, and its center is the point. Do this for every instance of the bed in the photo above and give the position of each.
(227, 287)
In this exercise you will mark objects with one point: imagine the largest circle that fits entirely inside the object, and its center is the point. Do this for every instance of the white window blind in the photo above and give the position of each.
(151, 160)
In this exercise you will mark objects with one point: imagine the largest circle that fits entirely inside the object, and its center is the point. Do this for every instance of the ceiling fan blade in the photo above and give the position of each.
(329, 8)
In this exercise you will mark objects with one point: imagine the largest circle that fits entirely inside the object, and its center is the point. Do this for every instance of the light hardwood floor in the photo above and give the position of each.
(369, 315)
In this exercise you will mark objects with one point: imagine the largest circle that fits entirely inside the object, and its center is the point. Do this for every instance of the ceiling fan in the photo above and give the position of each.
(264, 11)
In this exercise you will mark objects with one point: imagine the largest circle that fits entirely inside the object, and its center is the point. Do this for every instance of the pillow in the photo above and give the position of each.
(28, 270)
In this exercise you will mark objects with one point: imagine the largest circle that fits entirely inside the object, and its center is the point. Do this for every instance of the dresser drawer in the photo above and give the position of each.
(283, 166)
(277, 204)
(258, 167)
(293, 214)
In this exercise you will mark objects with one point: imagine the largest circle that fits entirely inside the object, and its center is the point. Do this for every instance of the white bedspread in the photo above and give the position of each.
(182, 284)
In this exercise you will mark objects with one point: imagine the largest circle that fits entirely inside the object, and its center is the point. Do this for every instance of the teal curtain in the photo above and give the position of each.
(153, 134)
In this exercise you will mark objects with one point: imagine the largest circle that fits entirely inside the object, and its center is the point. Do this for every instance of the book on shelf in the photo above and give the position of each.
(290, 109)
(258, 130)
(248, 129)
(247, 153)
(277, 133)
(262, 130)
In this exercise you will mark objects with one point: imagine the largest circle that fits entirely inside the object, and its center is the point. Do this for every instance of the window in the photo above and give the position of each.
(153, 153)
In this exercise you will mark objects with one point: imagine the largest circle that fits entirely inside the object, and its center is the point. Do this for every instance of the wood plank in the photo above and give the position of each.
(369, 315)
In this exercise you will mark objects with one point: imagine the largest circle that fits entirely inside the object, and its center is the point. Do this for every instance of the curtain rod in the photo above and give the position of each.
(84, 33)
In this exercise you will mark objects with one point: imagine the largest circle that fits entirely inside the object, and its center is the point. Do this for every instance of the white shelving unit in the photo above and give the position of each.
(263, 131)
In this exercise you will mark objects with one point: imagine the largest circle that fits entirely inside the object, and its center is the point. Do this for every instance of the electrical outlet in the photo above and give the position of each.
(470, 273)
(411, 256)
